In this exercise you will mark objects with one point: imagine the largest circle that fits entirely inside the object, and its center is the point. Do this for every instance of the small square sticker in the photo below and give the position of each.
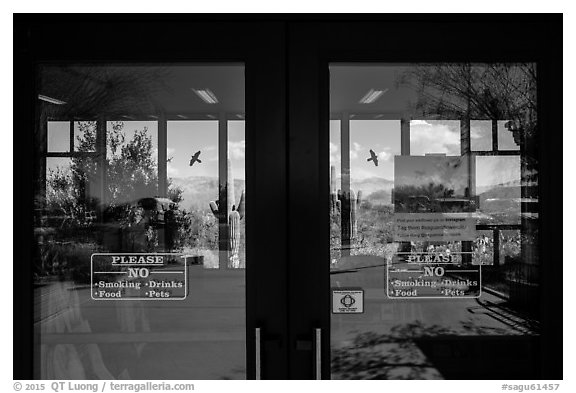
(347, 301)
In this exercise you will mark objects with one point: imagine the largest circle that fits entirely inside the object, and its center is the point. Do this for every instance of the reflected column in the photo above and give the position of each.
(344, 194)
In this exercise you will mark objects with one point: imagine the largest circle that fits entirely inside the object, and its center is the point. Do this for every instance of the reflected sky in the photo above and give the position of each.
(435, 137)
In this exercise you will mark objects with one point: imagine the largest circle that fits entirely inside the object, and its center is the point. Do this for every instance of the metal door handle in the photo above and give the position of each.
(318, 353)
(258, 354)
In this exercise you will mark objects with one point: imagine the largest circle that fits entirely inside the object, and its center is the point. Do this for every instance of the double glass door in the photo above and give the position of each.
(288, 209)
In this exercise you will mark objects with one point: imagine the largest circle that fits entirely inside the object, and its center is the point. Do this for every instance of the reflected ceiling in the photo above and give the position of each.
(141, 90)
(350, 83)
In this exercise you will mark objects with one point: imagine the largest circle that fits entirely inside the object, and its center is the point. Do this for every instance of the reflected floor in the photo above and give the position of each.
(429, 338)
(201, 337)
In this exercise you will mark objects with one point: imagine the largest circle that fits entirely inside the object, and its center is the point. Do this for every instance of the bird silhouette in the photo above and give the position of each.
(373, 157)
(195, 158)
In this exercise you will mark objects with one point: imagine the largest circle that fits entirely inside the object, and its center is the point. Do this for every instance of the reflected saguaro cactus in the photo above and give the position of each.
(234, 214)
(334, 202)
(347, 205)
(234, 238)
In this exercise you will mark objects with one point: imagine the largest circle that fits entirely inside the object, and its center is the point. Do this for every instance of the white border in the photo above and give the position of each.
(137, 298)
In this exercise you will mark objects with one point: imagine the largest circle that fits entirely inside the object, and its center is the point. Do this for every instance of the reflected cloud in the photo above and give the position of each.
(236, 149)
(434, 137)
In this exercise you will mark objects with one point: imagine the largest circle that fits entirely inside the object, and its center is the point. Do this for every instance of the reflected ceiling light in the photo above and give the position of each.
(211, 116)
(50, 100)
(182, 116)
(372, 96)
(240, 116)
(206, 95)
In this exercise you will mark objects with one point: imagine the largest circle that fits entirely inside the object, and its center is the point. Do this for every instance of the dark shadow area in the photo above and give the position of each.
(418, 351)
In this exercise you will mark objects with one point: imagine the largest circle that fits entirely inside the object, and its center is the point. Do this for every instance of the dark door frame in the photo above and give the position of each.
(169, 39)
(287, 108)
(313, 44)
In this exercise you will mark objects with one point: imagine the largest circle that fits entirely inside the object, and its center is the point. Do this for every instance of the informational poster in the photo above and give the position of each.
(139, 276)
(432, 199)
(434, 227)
(434, 212)
(347, 300)
(432, 275)
(433, 184)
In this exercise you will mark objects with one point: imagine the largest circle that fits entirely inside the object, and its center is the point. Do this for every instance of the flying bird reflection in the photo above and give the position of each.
(195, 158)
(373, 157)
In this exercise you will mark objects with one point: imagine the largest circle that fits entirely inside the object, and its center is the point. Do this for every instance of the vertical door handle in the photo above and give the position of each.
(258, 354)
(318, 353)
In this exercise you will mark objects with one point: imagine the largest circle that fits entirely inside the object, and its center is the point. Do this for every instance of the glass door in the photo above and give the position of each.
(140, 222)
(434, 267)
(146, 232)
(421, 247)
(337, 198)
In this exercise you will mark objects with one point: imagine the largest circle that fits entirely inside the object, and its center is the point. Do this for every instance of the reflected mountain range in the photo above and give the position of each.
(198, 191)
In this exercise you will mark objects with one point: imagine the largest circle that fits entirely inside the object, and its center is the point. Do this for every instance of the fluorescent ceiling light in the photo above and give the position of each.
(51, 100)
(372, 96)
(206, 95)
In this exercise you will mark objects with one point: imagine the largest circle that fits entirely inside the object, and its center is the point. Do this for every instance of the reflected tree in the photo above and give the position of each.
(487, 91)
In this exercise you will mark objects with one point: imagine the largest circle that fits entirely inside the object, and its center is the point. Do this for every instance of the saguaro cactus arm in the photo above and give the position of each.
(214, 208)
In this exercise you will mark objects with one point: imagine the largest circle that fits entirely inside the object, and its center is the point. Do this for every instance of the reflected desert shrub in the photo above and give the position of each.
(195, 229)
(65, 261)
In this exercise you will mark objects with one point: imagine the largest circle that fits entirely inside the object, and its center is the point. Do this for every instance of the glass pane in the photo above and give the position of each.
(131, 153)
(58, 136)
(508, 135)
(140, 238)
(434, 137)
(195, 186)
(433, 241)
(483, 248)
(237, 186)
(498, 187)
(85, 136)
(481, 135)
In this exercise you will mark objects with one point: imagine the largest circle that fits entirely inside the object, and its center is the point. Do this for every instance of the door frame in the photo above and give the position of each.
(153, 39)
(287, 106)
(312, 46)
